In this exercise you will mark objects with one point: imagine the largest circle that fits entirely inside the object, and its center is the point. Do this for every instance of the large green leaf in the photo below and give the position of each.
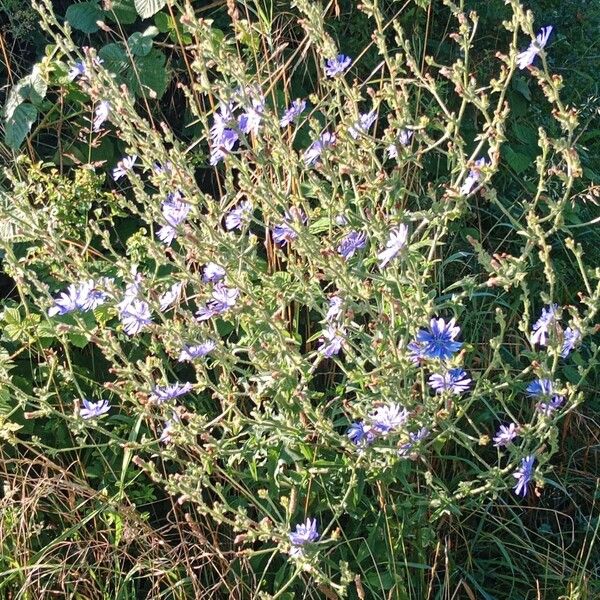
(150, 72)
(123, 11)
(147, 8)
(18, 125)
(33, 87)
(140, 43)
(114, 58)
(83, 16)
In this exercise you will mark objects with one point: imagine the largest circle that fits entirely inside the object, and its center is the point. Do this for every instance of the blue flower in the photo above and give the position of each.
(305, 534)
(167, 432)
(363, 124)
(336, 66)
(190, 353)
(360, 434)
(455, 381)
(284, 233)
(162, 394)
(238, 216)
(335, 309)
(524, 475)
(331, 341)
(570, 339)
(77, 70)
(540, 387)
(175, 212)
(395, 244)
(223, 298)
(506, 434)
(101, 114)
(223, 136)
(213, 273)
(314, 151)
(388, 418)
(547, 408)
(293, 112)
(525, 58)
(135, 316)
(94, 409)
(473, 177)
(85, 296)
(250, 120)
(171, 295)
(125, 164)
(542, 327)
(439, 341)
(354, 241)
(414, 439)
(404, 138)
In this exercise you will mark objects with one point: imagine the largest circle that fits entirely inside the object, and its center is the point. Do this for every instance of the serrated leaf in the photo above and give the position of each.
(114, 58)
(147, 8)
(83, 16)
(19, 124)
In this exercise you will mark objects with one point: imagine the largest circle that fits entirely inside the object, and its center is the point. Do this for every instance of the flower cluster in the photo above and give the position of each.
(548, 327)
(305, 533)
(175, 211)
(85, 296)
(384, 420)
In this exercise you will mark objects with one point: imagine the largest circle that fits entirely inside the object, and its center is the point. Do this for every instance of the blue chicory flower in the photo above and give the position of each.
(77, 70)
(332, 339)
(395, 244)
(167, 299)
(85, 296)
(165, 393)
(305, 533)
(125, 164)
(361, 434)
(293, 112)
(506, 434)
(101, 114)
(250, 120)
(414, 439)
(314, 151)
(91, 410)
(363, 124)
(223, 298)
(213, 273)
(525, 58)
(355, 240)
(437, 342)
(167, 432)
(388, 418)
(284, 232)
(454, 381)
(571, 338)
(222, 133)
(175, 212)
(524, 475)
(135, 316)
(335, 309)
(236, 217)
(473, 177)
(336, 66)
(543, 326)
(189, 353)
(404, 138)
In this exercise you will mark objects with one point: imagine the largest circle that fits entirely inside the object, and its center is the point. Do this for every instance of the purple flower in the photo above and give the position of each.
(331, 341)
(85, 296)
(305, 534)
(135, 316)
(543, 324)
(439, 341)
(335, 309)
(388, 418)
(223, 298)
(455, 381)
(395, 244)
(506, 434)
(162, 394)
(251, 119)
(171, 295)
(354, 241)
(473, 177)
(189, 353)
(213, 273)
(316, 148)
(284, 233)
(336, 66)
(363, 124)
(360, 434)
(77, 70)
(223, 136)
(414, 438)
(124, 165)
(167, 432)
(525, 58)
(101, 114)
(238, 216)
(293, 112)
(524, 475)
(94, 409)
(540, 387)
(547, 408)
(570, 339)
(175, 212)
(404, 138)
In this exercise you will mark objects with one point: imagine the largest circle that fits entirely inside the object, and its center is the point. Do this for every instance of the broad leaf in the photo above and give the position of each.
(18, 125)
(83, 16)
(140, 43)
(147, 8)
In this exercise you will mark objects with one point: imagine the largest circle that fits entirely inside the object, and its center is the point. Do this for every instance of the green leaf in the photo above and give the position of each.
(123, 11)
(147, 8)
(517, 161)
(140, 44)
(151, 73)
(32, 88)
(83, 16)
(161, 20)
(114, 57)
(19, 124)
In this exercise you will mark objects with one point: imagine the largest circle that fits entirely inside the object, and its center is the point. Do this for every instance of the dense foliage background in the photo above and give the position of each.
(109, 507)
